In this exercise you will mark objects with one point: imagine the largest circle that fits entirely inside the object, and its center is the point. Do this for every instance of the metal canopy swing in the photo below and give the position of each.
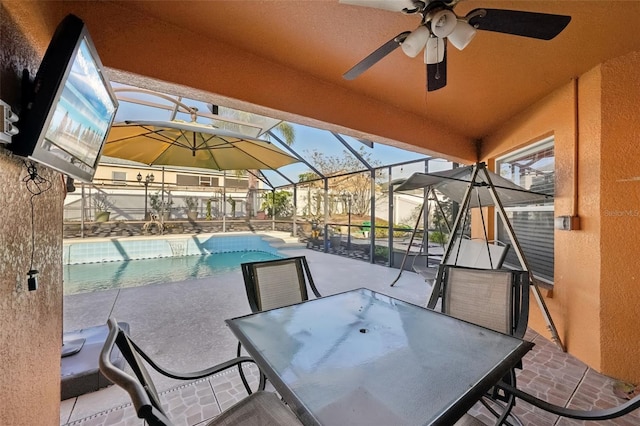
(459, 185)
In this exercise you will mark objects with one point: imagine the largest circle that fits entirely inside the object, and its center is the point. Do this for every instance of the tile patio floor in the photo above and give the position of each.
(182, 326)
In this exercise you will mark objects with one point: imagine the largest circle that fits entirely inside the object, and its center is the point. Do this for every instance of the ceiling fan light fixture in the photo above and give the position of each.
(414, 43)
(443, 23)
(462, 34)
(434, 52)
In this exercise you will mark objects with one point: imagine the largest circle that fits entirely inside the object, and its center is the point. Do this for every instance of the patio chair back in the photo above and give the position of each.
(141, 389)
(275, 283)
(494, 298)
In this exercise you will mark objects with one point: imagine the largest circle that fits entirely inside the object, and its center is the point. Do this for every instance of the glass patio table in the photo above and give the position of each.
(364, 358)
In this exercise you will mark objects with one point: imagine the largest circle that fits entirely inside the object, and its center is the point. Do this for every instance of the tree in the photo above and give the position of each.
(233, 206)
(277, 203)
(358, 184)
(313, 184)
(239, 123)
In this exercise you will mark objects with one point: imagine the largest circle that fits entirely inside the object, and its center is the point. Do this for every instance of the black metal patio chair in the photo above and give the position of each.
(493, 298)
(272, 284)
(263, 408)
(276, 283)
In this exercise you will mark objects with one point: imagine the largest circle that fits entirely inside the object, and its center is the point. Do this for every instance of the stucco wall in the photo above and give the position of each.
(594, 300)
(30, 336)
(620, 216)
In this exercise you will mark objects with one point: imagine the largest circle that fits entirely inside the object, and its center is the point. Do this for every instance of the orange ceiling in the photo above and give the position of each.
(495, 77)
(287, 58)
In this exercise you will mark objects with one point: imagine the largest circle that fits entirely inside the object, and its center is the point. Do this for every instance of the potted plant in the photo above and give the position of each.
(160, 206)
(101, 203)
(191, 205)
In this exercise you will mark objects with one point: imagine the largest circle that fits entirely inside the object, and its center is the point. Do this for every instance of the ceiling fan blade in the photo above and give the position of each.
(390, 5)
(542, 26)
(375, 56)
(437, 73)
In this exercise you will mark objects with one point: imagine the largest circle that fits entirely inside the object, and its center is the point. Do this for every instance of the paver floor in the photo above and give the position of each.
(181, 325)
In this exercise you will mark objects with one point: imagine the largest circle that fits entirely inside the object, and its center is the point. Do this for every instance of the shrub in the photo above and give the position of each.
(102, 202)
(381, 252)
(438, 237)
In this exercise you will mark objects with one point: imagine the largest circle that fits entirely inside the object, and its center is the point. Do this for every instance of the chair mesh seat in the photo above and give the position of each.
(258, 409)
(469, 420)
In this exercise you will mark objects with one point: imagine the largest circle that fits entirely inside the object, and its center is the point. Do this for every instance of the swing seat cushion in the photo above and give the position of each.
(473, 253)
(470, 253)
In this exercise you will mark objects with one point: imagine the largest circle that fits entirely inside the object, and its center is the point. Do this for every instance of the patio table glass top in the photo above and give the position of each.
(361, 357)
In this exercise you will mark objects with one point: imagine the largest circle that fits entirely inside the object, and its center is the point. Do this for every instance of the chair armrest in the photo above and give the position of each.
(119, 337)
(602, 414)
(196, 374)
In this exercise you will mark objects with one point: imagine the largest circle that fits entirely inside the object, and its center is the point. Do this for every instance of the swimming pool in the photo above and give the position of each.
(105, 263)
(82, 278)
(96, 250)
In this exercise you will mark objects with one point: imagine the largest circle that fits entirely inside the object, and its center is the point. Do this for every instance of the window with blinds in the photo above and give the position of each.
(534, 169)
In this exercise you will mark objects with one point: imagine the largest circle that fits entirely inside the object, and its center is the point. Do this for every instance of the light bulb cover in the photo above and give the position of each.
(434, 52)
(443, 22)
(462, 34)
(414, 43)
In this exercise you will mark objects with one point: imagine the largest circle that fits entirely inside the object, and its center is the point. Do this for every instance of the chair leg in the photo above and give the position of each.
(262, 381)
(507, 406)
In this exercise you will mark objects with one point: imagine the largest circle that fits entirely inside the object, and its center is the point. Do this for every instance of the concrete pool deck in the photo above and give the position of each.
(181, 325)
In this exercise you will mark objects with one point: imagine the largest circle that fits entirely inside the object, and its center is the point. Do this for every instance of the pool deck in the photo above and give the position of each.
(182, 326)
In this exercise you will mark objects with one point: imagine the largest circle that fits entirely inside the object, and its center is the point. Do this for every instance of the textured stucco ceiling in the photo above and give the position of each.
(287, 59)
(495, 77)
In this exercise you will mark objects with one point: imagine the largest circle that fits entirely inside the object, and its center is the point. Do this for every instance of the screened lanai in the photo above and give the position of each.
(335, 198)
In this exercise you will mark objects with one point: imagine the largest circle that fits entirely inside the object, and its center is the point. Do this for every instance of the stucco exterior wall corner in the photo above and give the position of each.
(620, 216)
(31, 320)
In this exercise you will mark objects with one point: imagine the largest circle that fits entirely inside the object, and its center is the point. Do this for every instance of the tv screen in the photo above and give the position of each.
(71, 108)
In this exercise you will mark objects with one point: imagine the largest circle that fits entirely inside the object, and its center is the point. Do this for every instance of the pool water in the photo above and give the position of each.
(89, 277)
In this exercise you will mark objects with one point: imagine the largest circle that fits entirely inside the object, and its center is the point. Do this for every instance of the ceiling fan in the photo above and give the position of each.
(439, 24)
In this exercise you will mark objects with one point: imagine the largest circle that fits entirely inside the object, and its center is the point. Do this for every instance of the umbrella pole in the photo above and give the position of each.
(162, 204)
(82, 212)
(273, 209)
(224, 201)
(295, 210)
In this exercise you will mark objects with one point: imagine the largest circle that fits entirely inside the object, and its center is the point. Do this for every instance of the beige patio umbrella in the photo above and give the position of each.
(178, 143)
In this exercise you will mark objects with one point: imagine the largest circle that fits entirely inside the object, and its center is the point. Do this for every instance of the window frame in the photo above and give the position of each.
(531, 148)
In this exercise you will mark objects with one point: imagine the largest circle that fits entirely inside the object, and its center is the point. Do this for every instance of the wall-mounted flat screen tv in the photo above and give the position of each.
(69, 111)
